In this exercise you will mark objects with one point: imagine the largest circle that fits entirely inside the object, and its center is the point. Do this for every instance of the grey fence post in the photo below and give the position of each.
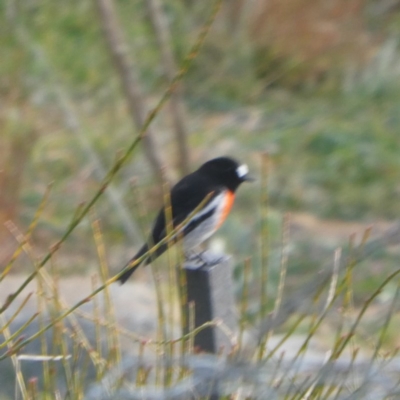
(211, 289)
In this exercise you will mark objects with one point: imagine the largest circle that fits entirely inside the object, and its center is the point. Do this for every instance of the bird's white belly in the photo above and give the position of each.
(206, 229)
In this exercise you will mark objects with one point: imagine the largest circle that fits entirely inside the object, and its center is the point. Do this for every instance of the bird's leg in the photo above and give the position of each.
(210, 259)
(197, 257)
(192, 255)
(203, 259)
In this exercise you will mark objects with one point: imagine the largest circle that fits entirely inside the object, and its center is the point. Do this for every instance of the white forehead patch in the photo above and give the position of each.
(242, 170)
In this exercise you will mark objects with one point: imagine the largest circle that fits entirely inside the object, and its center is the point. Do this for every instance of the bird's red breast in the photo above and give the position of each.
(226, 208)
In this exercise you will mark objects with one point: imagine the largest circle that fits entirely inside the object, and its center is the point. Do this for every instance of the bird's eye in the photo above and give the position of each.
(242, 170)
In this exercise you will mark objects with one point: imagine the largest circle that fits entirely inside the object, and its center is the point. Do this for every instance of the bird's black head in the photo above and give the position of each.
(226, 171)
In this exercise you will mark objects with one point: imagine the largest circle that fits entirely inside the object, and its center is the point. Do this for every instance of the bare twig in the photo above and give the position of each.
(127, 72)
(160, 26)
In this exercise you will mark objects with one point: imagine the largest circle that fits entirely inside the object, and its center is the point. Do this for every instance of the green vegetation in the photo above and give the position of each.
(328, 121)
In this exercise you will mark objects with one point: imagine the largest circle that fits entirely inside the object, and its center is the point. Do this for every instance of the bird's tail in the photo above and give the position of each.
(125, 276)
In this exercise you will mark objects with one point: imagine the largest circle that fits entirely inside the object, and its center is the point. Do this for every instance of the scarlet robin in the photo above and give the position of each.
(219, 179)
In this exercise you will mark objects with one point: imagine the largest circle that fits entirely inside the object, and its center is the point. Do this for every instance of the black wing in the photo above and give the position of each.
(186, 196)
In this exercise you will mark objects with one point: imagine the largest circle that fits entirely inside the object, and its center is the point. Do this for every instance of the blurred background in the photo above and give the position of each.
(315, 84)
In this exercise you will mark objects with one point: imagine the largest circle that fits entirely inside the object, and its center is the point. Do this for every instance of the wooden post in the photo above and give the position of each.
(211, 289)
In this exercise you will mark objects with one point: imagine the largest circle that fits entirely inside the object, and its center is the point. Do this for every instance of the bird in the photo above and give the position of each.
(214, 183)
